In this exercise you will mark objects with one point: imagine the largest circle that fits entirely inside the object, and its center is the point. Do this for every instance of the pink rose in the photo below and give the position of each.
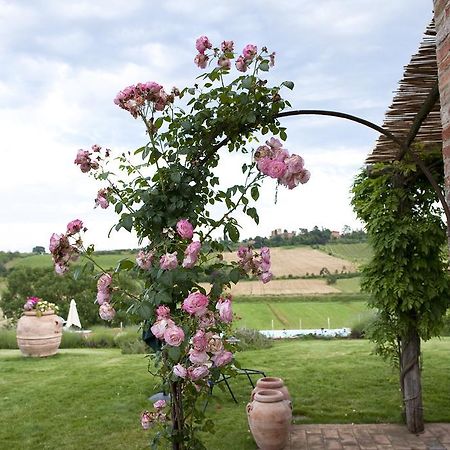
(277, 169)
(106, 311)
(159, 404)
(185, 229)
(215, 343)
(162, 312)
(103, 297)
(168, 261)
(201, 60)
(195, 303)
(202, 43)
(74, 226)
(104, 282)
(265, 277)
(61, 268)
(101, 199)
(264, 266)
(241, 64)
(54, 241)
(227, 46)
(294, 164)
(146, 420)
(224, 62)
(144, 260)
(304, 176)
(264, 165)
(191, 254)
(180, 371)
(206, 320)
(249, 51)
(280, 154)
(174, 335)
(221, 359)
(265, 254)
(159, 327)
(274, 143)
(197, 357)
(199, 341)
(197, 372)
(225, 311)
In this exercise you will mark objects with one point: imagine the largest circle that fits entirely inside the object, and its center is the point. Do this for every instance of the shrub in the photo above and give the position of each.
(361, 327)
(101, 337)
(72, 340)
(8, 338)
(130, 342)
(251, 339)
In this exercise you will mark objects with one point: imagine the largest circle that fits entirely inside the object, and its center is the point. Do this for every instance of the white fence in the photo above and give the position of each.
(319, 332)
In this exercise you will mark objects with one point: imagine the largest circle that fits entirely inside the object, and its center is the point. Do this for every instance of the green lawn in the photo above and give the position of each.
(290, 313)
(357, 253)
(348, 285)
(84, 399)
(33, 261)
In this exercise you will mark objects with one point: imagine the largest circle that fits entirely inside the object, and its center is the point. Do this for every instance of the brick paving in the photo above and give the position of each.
(369, 437)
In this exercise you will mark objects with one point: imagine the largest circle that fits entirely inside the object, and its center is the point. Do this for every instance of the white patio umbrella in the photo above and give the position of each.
(73, 318)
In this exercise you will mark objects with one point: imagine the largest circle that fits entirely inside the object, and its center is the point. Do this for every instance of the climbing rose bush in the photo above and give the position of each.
(168, 192)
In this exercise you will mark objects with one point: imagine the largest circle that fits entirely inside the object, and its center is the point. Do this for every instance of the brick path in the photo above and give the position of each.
(369, 437)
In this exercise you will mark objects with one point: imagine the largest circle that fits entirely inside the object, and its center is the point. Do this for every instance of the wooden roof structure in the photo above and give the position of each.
(414, 116)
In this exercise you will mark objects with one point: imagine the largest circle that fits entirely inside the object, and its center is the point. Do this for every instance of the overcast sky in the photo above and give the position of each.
(62, 63)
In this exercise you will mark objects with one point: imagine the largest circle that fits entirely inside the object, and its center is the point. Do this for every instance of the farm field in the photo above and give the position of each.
(82, 398)
(358, 253)
(298, 314)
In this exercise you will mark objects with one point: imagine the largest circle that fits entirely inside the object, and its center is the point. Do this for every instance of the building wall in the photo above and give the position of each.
(442, 22)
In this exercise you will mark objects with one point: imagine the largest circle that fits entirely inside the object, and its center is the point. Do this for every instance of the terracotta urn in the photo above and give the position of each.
(269, 417)
(271, 383)
(39, 335)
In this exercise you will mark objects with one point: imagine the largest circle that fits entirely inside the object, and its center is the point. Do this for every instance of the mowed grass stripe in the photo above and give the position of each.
(288, 314)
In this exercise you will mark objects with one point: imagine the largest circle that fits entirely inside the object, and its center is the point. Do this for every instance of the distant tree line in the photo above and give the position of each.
(316, 236)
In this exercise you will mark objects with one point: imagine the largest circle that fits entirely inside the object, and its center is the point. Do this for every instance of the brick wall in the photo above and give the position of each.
(442, 21)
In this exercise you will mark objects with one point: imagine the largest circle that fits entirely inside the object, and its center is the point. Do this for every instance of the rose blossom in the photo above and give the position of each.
(249, 51)
(197, 357)
(146, 420)
(294, 164)
(274, 143)
(241, 64)
(144, 259)
(199, 341)
(185, 229)
(104, 282)
(180, 371)
(159, 404)
(101, 199)
(197, 372)
(227, 46)
(54, 241)
(61, 268)
(264, 165)
(168, 261)
(215, 344)
(159, 327)
(162, 312)
(202, 43)
(224, 62)
(304, 176)
(225, 312)
(195, 303)
(265, 254)
(103, 297)
(174, 335)
(106, 311)
(222, 358)
(74, 226)
(201, 60)
(265, 277)
(277, 169)
(191, 254)
(206, 320)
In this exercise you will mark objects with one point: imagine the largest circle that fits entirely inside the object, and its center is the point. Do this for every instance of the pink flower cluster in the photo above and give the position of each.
(87, 160)
(102, 198)
(136, 99)
(144, 260)
(206, 347)
(62, 250)
(148, 419)
(104, 291)
(31, 303)
(257, 264)
(276, 162)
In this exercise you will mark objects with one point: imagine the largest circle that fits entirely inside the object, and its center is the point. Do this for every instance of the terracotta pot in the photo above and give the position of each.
(269, 417)
(271, 383)
(39, 335)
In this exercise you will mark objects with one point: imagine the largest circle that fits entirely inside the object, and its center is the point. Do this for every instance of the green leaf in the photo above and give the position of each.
(255, 193)
(125, 264)
(233, 232)
(247, 82)
(235, 275)
(126, 222)
(288, 84)
(264, 66)
(174, 353)
(283, 135)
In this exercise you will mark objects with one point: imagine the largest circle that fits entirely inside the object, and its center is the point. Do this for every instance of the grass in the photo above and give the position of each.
(358, 253)
(35, 261)
(84, 399)
(348, 285)
(287, 312)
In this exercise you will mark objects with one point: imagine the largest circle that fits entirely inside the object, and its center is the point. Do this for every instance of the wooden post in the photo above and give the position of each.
(411, 382)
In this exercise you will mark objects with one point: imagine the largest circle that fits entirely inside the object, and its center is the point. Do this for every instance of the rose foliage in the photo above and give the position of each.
(168, 192)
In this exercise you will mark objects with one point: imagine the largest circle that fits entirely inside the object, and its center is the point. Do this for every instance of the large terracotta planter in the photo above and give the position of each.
(271, 383)
(39, 335)
(269, 417)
